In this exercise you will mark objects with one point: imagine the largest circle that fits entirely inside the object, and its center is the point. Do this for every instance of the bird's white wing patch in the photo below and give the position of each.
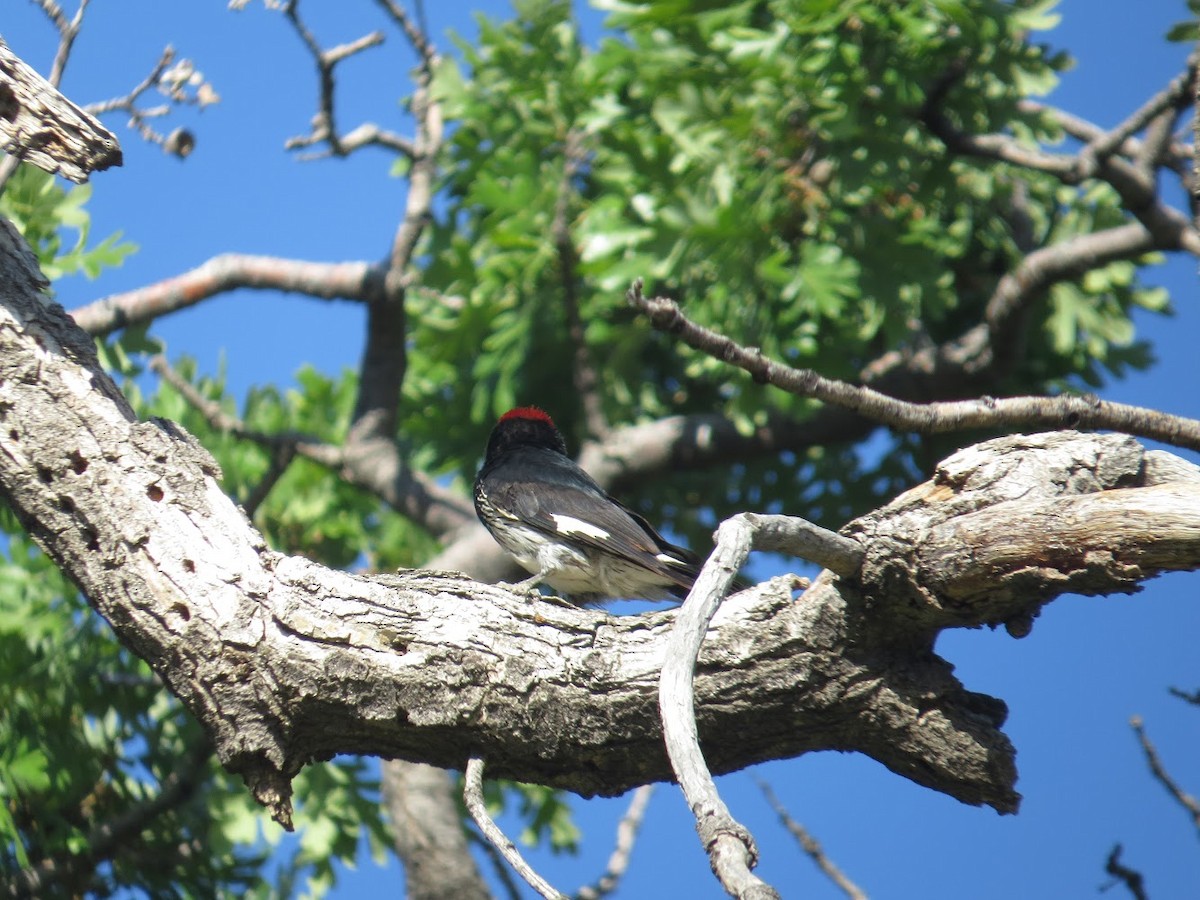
(670, 560)
(572, 525)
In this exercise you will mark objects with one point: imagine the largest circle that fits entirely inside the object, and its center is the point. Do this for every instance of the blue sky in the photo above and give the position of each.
(1072, 686)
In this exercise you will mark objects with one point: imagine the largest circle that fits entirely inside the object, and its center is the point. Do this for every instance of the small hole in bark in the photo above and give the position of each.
(182, 611)
(92, 543)
(154, 492)
(13, 434)
(45, 476)
(79, 465)
(66, 504)
(189, 566)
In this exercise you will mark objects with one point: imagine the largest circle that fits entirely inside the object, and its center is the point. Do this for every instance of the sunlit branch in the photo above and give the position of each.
(926, 418)
(473, 797)
(220, 275)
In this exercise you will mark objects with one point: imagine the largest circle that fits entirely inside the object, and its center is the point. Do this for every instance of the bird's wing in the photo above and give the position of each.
(580, 512)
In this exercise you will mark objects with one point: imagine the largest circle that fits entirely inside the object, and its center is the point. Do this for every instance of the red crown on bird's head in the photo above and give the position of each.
(528, 412)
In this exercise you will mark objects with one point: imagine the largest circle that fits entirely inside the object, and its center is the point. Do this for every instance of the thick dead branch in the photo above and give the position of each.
(926, 418)
(284, 662)
(41, 126)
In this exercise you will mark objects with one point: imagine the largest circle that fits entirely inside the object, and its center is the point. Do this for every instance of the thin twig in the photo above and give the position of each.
(925, 418)
(811, 845)
(1160, 773)
(416, 32)
(618, 862)
(473, 797)
(303, 445)
(1192, 697)
(324, 123)
(1178, 90)
(1131, 878)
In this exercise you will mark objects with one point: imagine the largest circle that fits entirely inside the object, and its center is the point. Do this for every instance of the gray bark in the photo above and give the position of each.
(284, 661)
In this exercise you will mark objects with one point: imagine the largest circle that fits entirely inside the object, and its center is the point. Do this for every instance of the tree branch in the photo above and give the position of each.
(181, 84)
(731, 849)
(283, 661)
(1131, 878)
(40, 126)
(224, 273)
(925, 418)
(1185, 800)
(618, 862)
(811, 845)
(473, 797)
(583, 370)
(429, 835)
(106, 838)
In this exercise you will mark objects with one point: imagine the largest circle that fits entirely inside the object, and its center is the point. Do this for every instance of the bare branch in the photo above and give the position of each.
(925, 418)
(417, 36)
(427, 828)
(381, 373)
(618, 862)
(224, 273)
(1054, 263)
(1131, 878)
(811, 845)
(181, 84)
(375, 467)
(68, 30)
(799, 537)
(1160, 773)
(1135, 182)
(302, 445)
(473, 797)
(1192, 697)
(324, 124)
(41, 126)
(730, 846)
(1173, 97)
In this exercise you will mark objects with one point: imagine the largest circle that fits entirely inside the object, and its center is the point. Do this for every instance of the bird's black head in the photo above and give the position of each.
(525, 426)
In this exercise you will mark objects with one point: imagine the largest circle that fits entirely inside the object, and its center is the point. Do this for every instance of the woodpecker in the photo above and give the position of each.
(553, 519)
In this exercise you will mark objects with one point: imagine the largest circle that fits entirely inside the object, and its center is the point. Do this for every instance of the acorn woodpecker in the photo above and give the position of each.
(553, 519)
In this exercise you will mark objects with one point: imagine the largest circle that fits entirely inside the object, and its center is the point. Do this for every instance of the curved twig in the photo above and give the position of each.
(730, 846)
(473, 797)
